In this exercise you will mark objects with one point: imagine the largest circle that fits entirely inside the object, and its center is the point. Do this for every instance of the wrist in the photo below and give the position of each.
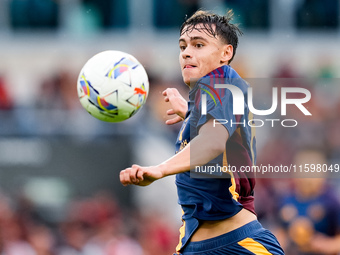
(184, 109)
(163, 170)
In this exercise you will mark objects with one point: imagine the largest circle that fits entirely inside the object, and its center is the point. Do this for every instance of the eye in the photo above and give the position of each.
(182, 47)
(199, 45)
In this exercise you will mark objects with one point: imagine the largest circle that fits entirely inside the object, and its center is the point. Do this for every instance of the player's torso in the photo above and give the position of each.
(217, 196)
(212, 197)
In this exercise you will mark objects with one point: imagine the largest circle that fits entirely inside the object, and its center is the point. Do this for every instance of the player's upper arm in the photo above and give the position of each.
(215, 133)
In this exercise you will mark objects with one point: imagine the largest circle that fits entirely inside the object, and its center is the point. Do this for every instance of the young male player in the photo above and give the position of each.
(218, 213)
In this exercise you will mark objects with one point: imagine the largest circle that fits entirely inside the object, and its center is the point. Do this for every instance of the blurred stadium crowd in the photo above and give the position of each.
(304, 212)
(92, 225)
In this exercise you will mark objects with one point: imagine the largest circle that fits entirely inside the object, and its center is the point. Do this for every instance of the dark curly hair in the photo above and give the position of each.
(214, 25)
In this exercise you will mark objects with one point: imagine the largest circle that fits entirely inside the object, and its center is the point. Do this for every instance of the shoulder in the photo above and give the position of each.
(230, 76)
(229, 72)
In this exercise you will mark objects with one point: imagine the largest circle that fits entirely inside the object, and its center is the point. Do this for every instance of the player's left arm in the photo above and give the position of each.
(207, 145)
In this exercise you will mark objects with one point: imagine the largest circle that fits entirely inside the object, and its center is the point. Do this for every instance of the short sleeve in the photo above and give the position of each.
(219, 108)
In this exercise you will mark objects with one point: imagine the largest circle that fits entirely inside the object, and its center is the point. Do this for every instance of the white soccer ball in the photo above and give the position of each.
(112, 86)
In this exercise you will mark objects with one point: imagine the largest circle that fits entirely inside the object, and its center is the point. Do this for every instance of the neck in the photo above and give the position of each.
(192, 83)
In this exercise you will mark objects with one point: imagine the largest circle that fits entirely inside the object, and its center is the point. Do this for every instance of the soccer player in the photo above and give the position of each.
(218, 213)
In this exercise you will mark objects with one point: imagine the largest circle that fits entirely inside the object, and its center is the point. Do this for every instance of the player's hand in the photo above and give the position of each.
(178, 104)
(141, 176)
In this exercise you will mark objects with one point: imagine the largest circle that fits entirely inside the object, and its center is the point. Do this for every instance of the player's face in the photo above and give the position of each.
(201, 53)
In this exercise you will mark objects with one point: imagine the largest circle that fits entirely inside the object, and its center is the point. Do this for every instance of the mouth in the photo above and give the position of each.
(189, 66)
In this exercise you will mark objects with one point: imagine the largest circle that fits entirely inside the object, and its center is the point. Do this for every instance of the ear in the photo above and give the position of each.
(227, 53)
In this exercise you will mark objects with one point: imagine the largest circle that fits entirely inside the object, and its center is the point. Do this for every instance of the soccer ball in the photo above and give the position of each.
(112, 86)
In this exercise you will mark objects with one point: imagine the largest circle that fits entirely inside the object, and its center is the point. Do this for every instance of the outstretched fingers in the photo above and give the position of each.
(173, 120)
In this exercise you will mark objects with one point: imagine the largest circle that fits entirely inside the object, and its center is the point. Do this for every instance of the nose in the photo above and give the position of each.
(186, 53)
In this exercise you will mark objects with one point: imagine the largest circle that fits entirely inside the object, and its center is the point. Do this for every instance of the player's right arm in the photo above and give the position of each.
(207, 145)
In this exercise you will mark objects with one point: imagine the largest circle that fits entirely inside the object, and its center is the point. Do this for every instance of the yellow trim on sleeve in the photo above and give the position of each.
(232, 188)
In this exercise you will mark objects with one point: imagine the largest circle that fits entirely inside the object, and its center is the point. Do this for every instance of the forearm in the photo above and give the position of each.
(198, 152)
(207, 145)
